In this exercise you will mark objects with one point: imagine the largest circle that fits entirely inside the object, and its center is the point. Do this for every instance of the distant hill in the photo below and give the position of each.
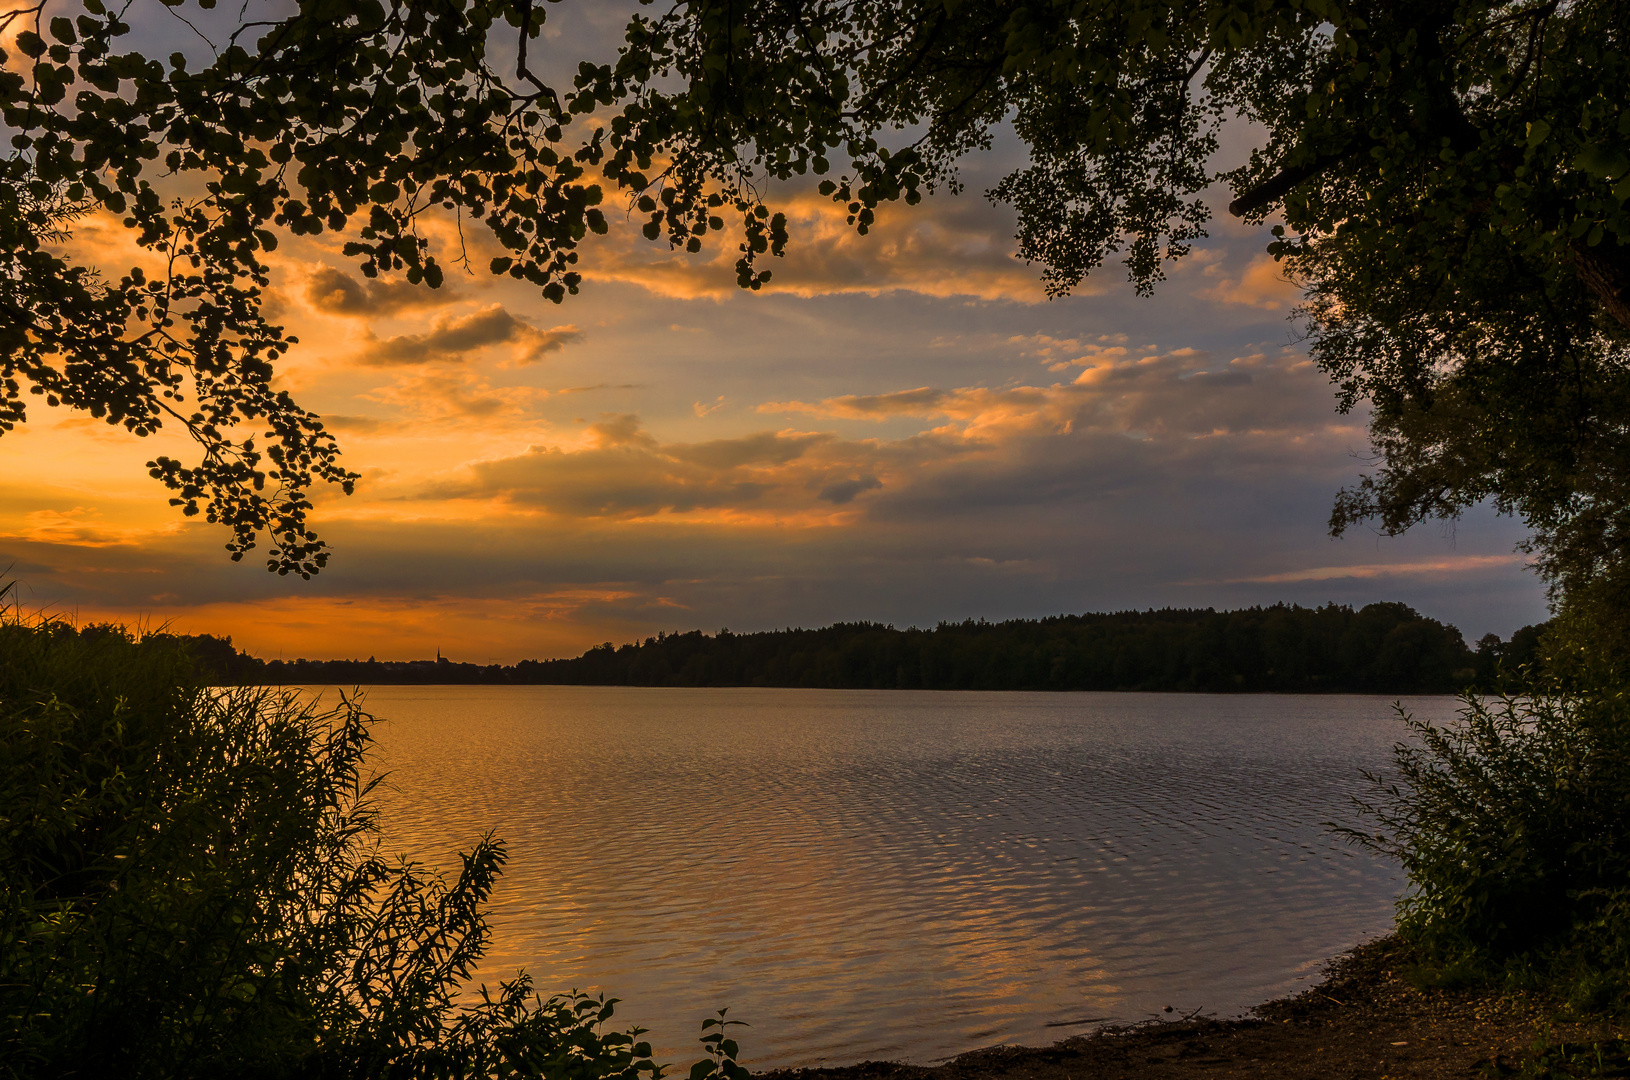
(1385, 648)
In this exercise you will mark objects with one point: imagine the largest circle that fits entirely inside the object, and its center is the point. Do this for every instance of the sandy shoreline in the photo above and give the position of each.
(1363, 1021)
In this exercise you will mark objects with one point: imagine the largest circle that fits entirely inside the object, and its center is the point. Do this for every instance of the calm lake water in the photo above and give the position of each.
(896, 874)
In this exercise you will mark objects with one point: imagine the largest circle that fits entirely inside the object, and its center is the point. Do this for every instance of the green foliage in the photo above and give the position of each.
(1513, 826)
(191, 886)
(720, 1062)
(1478, 300)
(1507, 663)
(1578, 1060)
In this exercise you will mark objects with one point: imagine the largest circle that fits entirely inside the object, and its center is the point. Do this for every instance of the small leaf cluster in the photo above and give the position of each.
(722, 1051)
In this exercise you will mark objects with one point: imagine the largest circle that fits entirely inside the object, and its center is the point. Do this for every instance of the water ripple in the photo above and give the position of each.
(875, 874)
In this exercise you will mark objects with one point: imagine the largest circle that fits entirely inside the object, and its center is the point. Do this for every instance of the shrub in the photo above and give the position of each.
(1513, 826)
(191, 885)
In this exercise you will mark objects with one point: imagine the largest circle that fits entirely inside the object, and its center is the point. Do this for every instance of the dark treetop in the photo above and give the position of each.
(1382, 649)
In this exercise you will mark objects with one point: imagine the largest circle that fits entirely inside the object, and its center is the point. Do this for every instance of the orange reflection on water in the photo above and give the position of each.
(908, 875)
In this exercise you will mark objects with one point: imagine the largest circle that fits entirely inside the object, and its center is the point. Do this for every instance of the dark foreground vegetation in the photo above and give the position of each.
(191, 886)
(1377, 649)
(189, 883)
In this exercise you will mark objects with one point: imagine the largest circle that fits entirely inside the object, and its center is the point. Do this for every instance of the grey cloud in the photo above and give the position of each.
(453, 338)
(1220, 378)
(620, 429)
(361, 424)
(338, 293)
(844, 491)
(1034, 474)
(1160, 395)
(764, 448)
(627, 479)
(624, 471)
(601, 386)
(922, 401)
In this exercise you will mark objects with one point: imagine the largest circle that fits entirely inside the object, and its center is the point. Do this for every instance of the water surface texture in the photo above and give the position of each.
(897, 874)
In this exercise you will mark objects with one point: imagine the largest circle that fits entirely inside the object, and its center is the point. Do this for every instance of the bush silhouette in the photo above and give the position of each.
(191, 885)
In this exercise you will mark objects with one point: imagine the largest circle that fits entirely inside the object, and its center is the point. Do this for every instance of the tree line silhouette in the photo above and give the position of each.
(1382, 648)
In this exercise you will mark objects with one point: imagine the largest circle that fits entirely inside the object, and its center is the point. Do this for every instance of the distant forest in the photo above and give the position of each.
(1385, 648)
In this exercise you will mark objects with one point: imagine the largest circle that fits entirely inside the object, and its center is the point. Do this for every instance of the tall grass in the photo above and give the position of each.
(191, 885)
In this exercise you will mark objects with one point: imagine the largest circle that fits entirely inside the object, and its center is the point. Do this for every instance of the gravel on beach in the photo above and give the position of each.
(1365, 1020)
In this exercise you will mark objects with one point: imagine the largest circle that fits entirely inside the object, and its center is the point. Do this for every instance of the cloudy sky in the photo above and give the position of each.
(900, 428)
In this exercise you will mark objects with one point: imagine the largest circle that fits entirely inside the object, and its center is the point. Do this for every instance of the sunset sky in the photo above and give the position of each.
(900, 428)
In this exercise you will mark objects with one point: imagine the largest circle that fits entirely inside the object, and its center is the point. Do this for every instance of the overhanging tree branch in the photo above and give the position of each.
(1277, 187)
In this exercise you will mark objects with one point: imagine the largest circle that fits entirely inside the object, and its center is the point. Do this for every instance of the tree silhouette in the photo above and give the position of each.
(1452, 179)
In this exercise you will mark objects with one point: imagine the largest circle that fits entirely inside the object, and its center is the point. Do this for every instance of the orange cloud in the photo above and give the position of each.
(532, 623)
(443, 394)
(619, 470)
(1458, 564)
(78, 526)
(1261, 284)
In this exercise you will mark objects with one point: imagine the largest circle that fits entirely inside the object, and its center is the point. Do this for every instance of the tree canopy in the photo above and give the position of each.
(345, 116)
(1384, 648)
(1450, 183)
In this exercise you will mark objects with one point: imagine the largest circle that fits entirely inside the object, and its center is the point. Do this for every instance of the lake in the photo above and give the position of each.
(898, 874)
